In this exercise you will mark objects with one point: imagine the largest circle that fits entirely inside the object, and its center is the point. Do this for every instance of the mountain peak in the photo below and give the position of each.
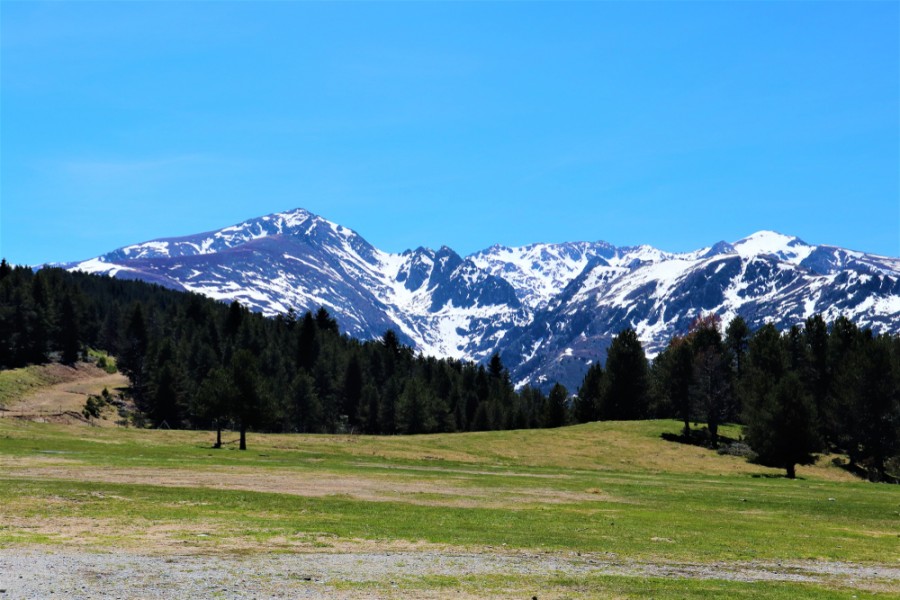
(295, 218)
(785, 247)
(767, 237)
(719, 248)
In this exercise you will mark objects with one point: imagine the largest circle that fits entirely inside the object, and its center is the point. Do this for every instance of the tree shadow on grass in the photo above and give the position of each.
(698, 437)
(864, 472)
(701, 438)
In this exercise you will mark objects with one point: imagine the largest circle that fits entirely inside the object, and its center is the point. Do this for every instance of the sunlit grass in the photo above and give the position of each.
(609, 487)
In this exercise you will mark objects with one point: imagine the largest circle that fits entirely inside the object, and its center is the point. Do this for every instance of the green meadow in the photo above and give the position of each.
(614, 491)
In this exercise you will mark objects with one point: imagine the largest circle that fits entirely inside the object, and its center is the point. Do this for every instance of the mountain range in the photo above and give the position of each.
(550, 310)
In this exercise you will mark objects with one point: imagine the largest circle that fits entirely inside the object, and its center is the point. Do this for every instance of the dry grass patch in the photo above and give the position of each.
(604, 446)
(379, 487)
(198, 536)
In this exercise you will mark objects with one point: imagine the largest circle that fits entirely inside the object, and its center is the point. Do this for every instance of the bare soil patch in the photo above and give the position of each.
(283, 481)
(62, 400)
(503, 473)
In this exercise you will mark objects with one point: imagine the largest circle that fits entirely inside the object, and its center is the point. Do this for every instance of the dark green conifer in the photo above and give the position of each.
(626, 395)
(555, 412)
(70, 344)
(781, 426)
(590, 395)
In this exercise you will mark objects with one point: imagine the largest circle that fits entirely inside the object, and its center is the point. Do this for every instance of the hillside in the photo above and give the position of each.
(55, 392)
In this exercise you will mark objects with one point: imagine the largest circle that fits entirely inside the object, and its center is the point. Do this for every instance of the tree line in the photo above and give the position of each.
(811, 389)
(197, 363)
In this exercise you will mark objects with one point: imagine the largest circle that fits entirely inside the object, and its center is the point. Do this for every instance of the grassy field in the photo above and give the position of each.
(613, 491)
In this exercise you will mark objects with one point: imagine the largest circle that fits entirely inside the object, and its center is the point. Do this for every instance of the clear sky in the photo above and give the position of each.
(675, 124)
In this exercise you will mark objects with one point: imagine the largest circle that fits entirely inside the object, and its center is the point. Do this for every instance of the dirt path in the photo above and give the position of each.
(64, 400)
(38, 573)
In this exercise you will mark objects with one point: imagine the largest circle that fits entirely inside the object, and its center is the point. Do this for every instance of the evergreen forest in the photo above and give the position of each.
(197, 363)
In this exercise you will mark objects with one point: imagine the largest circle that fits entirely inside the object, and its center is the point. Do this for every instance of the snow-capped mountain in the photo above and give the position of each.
(549, 309)
(539, 271)
(437, 301)
(766, 277)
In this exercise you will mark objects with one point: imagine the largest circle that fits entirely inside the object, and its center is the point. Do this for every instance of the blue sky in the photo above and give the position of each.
(675, 124)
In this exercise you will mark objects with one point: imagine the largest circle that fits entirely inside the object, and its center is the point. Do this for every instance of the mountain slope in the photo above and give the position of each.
(436, 300)
(549, 309)
(766, 277)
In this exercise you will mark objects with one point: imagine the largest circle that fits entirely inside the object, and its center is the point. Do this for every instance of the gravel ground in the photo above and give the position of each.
(42, 574)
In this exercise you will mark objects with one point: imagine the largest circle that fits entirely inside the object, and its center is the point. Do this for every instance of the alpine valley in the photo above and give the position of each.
(550, 310)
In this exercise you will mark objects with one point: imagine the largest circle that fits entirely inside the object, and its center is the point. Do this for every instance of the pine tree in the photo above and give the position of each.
(495, 367)
(555, 413)
(781, 426)
(626, 368)
(368, 408)
(306, 408)
(470, 402)
(817, 376)
(480, 420)
(795, 345)
(873, 428)
(590, 395)
(165, 396)
(676, 370)
(415, 410)
(234, 319)
(352, 390)
(844, 369)
(766, 356)
(69, 337)
(109, 332)
(324, 322)
(215, 401)
(387, 413)
(307, 343)
(711, 385)
(248, 404)
(134, 350)
(737, 338)
(41, 317)
(162, 391)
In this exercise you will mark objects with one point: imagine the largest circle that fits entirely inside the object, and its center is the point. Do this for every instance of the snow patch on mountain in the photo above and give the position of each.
(538, 272)
(101, 267)
(785, 247)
